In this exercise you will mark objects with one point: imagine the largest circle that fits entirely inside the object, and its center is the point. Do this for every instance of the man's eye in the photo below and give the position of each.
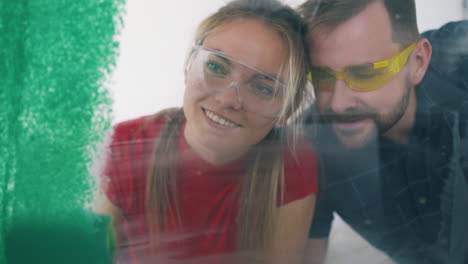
(364, 75)
(365, 71)
(215, 68)
(320, 74)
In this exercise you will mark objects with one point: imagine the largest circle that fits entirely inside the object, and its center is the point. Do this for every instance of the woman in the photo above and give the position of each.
(224, 178)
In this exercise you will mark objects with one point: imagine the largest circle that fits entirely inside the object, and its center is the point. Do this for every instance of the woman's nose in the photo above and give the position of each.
(229, 96)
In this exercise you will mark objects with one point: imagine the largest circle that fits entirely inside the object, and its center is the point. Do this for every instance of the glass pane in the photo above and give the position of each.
(109, 154)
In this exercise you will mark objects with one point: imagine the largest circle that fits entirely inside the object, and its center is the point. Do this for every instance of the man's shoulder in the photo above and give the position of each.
(450, 51)
(452, 31)
(445, 83)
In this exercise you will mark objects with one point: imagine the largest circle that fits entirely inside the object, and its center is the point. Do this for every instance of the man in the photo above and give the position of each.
(392, 129)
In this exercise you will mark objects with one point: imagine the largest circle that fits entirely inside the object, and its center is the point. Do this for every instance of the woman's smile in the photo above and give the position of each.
(219, 120)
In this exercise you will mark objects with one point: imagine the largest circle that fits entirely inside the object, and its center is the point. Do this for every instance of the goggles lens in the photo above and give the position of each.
(366, 77)
(212, 71)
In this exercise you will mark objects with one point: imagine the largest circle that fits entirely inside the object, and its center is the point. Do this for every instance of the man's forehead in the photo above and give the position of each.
(365, 38)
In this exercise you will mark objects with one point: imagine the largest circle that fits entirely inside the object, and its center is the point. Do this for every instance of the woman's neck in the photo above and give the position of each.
(214, 156)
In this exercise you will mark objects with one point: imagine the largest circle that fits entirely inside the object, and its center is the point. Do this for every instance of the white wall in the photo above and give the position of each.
(154, 42)
(157, 35)
(434, 13)
(465, 9)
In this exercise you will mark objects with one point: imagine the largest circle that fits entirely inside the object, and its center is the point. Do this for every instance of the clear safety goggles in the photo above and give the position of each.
(365, 77)
(257, 91)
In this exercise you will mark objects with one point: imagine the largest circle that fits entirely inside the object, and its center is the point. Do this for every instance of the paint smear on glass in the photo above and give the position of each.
(55, 56)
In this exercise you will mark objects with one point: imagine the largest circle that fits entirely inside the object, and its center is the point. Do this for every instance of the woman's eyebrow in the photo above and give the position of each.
(219, 54)
(226, 60)
(266, 75)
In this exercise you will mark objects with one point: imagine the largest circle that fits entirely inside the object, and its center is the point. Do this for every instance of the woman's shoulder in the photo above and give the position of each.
(147, 126)
(128, 157)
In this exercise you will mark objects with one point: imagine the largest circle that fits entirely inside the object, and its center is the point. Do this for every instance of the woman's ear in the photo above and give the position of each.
(421, 57)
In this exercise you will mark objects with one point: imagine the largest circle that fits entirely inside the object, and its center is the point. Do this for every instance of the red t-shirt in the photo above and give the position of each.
(208, 195)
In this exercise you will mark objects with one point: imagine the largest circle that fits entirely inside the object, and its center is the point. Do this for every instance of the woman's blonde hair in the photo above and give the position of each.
(263, 183)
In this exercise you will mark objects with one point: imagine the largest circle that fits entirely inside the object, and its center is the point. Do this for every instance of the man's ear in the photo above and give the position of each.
(420, 59)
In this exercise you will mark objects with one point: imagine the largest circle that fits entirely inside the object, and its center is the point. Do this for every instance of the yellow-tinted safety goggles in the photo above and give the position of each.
(365, 77)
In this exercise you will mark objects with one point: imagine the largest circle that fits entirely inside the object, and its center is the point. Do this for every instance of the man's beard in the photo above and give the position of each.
(382, 122)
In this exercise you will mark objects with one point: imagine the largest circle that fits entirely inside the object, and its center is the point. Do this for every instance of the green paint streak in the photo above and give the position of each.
(84, 241)
(54, 56)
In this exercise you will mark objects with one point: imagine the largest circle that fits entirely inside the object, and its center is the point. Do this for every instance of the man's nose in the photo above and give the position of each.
(229, 96)
(343, 97)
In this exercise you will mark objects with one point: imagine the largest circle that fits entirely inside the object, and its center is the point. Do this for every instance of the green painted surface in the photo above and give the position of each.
(54, 110)
(84, 240)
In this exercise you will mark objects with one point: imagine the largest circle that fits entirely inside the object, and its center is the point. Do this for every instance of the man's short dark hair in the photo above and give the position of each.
(326, 15)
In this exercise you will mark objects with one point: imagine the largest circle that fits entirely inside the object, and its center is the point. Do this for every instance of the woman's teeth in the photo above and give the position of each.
(219, 120)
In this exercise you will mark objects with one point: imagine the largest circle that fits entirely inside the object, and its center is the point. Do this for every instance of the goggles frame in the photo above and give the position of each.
(388, 69)
(195, 48)
(238, 85)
